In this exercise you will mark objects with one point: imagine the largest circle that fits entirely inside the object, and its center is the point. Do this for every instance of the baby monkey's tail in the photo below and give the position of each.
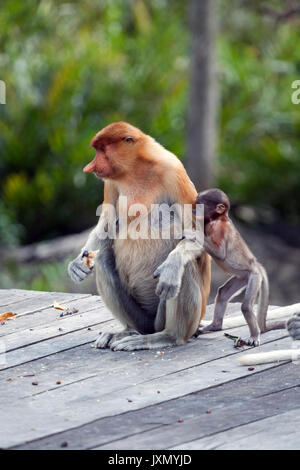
(263, 303)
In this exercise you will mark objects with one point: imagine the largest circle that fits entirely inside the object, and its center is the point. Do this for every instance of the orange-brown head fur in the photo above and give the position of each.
(117, 147)
(145, 170)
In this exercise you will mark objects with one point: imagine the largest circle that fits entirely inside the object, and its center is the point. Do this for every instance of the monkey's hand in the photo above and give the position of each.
(170, 277)
(78, 270)
(293, 326)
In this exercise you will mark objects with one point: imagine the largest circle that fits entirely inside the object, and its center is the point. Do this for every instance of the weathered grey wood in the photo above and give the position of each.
(62, 342)
(106, 386)
(33, 304)
(25, 338)
(231, 405)
(85, 318)
(92, 400)
(280, 432)
(48, 316)
(205, 423)
(66, 340)
(9, 296)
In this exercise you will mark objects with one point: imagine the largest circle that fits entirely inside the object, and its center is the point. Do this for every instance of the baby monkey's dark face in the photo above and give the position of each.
(216, 203)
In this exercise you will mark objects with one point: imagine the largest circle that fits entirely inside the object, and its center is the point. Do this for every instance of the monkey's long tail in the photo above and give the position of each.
(262, 307)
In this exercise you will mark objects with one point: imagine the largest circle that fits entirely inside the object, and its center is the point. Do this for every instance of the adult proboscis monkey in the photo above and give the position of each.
(133, 165)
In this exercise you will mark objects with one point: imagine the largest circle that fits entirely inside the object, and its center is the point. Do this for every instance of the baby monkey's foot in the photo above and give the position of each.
(252, 341)
(206, 329)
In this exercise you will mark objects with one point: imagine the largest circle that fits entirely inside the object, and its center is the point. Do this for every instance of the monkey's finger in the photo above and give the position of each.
(77, 276)
(81, 273)
(173, 291)
(84, 268)
(159, 288)
(164, 291)
(76, 272)
(73, 275)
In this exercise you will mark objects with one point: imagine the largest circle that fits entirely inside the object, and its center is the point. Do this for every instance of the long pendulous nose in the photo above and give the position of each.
(90, 167)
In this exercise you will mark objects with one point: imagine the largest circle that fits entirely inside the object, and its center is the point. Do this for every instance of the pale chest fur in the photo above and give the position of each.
(136, 261)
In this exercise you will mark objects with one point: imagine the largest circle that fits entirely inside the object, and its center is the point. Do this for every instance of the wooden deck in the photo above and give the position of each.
(195, 396)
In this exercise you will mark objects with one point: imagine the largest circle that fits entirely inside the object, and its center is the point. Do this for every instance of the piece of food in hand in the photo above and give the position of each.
(89, 258)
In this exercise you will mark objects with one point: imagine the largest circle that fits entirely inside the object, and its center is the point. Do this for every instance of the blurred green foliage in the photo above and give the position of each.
(259, 149)
(50, 276)
(73, 67)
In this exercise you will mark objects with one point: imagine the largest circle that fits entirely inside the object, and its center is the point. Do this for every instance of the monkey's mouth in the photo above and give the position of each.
(98, 174)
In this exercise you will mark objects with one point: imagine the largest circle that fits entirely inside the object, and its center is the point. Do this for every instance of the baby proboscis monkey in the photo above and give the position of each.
(224, 243)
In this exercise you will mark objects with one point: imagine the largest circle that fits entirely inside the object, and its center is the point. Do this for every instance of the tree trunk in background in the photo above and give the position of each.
(201, 120)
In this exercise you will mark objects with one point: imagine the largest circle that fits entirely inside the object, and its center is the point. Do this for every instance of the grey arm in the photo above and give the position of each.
(77, 269)
(170, 272)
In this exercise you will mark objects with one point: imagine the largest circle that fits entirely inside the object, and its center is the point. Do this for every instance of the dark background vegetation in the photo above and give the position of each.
(212, 83)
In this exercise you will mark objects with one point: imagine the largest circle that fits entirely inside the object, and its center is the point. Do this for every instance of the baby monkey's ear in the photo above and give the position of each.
(220, 208)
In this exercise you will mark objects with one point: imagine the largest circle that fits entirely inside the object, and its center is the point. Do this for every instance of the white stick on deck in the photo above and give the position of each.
(272, 315)
(272, 356)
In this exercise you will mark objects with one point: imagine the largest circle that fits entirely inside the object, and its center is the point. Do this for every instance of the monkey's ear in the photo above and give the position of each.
(220, 208)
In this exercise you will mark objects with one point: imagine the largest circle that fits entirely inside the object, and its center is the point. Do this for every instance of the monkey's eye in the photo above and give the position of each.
(129, 140)
(220, 208)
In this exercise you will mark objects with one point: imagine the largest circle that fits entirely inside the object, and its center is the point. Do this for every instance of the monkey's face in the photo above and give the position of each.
(116, 150)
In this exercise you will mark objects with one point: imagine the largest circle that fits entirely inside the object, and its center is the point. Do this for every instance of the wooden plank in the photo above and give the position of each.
(36, 303)
(187, 355)
(43, 349)
(107, 393)
(34, 352)
(13, 296)
(88, 315)
(280, 432)
(234, 403)
(174, 433)
(9, 296)
(131, 372)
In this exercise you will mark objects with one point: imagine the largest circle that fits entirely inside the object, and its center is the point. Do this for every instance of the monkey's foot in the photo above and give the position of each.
(206, 329)
(105, 339)
(152, 341)
(252, 341)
